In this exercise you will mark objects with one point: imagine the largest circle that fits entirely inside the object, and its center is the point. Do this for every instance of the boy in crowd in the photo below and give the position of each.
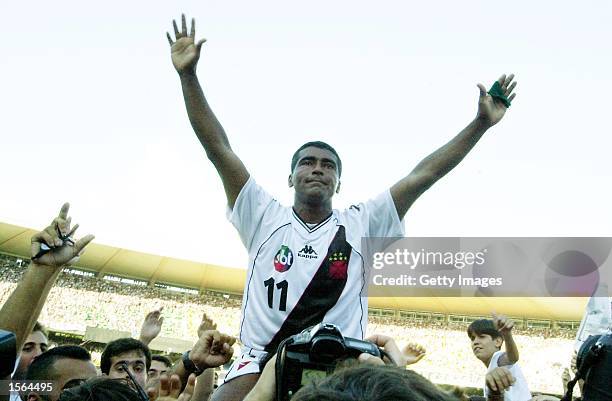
(487, 337)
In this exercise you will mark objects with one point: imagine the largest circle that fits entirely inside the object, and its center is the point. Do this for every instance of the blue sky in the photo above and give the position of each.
(92, 113)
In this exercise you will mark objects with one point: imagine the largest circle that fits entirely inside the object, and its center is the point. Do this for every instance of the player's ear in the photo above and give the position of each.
(338, 187)
(499, 341)
(290, 181)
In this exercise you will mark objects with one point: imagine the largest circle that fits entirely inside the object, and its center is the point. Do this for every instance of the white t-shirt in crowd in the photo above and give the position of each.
(519, 391)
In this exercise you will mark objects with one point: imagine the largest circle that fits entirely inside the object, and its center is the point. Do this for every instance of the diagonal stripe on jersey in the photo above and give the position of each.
(322, 292)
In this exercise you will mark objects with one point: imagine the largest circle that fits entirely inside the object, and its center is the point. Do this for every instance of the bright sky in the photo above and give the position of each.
(92, 113)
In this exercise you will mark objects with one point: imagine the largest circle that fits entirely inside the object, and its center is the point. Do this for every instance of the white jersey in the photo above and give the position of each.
(299, 274)
(519, 391)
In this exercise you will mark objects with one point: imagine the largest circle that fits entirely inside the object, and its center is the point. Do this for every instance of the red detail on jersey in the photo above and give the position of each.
(337, 269)
(283, 259)
(243, 364)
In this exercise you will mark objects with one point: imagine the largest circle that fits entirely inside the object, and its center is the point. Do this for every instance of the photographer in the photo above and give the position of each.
(389, 378)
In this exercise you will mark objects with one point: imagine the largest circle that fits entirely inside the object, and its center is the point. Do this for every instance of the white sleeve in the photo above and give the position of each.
(249, 209)
(383, 220)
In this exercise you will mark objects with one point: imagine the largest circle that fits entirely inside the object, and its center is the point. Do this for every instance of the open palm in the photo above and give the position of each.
(185, 51)
(490, 109)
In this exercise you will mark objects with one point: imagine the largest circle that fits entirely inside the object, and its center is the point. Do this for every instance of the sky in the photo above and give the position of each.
(92, 113)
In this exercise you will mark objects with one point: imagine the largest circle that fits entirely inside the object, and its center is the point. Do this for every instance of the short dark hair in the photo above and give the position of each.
(163, 359)
(41, 367)
(39, 327)
(101, 388)
(372, 383)
(483, 326)
(120, 346)
(316, 144)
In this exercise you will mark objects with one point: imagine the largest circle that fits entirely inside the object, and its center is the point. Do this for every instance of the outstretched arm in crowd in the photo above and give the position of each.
(439, 163)
(151, 327)
(205, 385)
(20, 312)
(412, 353)
(212, 349)
(504, 326)
(185, 56)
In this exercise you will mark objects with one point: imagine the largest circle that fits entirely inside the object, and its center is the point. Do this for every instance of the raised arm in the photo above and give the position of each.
(185, 56)
(151, 327)
(20, 311)
(504, 326)
(439, 163)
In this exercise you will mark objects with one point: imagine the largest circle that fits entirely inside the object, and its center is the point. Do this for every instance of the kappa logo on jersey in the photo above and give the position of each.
(308, 253)
(283, 259)
(338, 264)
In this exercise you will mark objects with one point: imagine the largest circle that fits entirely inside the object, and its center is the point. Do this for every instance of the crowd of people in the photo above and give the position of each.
(78, 301)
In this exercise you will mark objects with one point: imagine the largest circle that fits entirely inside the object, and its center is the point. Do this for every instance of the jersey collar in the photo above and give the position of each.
(305, 226)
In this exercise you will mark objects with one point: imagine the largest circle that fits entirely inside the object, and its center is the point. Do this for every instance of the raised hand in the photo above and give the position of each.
(151, 327)
(502, 324)
(170, 389)
(212, 349)
(412, 353)
(185, 51)
(206, 324)
(491, 110)
(54, 246)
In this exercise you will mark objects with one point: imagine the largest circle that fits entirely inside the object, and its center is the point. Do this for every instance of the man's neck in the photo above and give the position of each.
(312, 214)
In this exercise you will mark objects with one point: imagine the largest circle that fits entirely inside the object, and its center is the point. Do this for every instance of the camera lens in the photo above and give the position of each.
(326, 349)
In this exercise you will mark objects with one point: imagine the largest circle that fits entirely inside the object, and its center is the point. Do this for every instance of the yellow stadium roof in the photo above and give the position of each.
(105, 259)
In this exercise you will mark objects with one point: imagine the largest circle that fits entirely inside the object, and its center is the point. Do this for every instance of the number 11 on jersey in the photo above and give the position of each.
(282, 286)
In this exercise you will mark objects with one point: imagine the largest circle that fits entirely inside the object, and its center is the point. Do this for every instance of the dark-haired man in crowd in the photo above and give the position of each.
(159, 364)
(487, 337)
(64, 366)
(35, 344)
(322, 244)
(126, 351)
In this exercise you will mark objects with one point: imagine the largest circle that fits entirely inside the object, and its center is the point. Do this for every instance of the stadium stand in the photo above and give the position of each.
(81, 300)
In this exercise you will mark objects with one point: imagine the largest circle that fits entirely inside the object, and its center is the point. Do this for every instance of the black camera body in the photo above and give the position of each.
(8, 353)
(595, 359)
(313, 354)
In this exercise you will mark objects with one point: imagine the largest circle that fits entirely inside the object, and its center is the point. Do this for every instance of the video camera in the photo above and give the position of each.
(594, 364)
(8, 353)
(312, 354)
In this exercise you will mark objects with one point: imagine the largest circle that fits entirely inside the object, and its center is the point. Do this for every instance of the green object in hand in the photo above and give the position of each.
(497, 93)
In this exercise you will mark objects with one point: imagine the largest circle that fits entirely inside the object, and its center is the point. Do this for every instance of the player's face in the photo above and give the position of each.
(315, 174)
(484, 346)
